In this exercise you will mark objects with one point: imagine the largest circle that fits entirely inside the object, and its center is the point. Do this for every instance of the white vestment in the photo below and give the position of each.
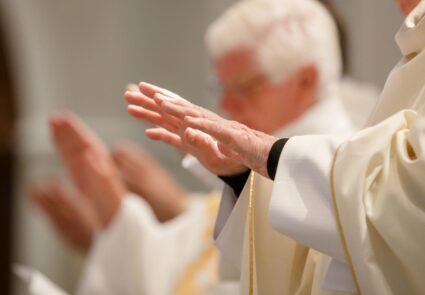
(327, 116)
(137, 254)
(301, 206)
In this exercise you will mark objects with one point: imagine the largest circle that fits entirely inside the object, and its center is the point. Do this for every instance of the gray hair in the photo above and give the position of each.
(285, 34)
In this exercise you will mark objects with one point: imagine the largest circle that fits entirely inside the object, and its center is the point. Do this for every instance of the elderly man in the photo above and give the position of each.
(272, 81)
(257, 81)
(360, 203)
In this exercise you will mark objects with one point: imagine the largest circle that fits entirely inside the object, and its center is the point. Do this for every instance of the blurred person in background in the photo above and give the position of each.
(136, 244)
(7, 162)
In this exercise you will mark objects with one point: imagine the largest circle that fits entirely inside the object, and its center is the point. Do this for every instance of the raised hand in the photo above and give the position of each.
(89, 164)
(71, 215)
(143, 106)
(146, 105)
(148, 179)
(224, 147)
(235, 140)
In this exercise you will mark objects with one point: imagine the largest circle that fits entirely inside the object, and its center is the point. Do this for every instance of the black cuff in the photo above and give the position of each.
(274, 155)
(236, 182)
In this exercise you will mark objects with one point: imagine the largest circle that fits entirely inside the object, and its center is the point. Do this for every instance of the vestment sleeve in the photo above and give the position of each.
(301, 205)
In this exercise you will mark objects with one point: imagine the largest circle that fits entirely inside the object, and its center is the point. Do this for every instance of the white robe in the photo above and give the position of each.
(327, 116)
(138, 255)
(301, 205)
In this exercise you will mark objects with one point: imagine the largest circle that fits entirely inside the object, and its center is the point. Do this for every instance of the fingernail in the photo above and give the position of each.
(131, 87)
(144, 83)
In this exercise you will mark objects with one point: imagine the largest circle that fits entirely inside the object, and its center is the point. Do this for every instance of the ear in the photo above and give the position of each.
(308, 77)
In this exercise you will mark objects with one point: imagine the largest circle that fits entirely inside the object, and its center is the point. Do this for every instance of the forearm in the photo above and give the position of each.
(300, 170)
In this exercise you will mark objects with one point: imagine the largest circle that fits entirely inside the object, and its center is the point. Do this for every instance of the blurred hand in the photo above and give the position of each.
(147, 178)
(89, 165)
(74, 219)
(149, 105)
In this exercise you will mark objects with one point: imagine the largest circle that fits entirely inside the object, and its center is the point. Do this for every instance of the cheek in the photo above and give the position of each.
(275, 102)
(264, 111)
(407, 5)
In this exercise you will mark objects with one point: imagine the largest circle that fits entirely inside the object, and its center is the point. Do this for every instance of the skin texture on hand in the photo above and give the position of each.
(202, 132)
(70, 214)
(147, 178)
(172, 130)
(89, 165)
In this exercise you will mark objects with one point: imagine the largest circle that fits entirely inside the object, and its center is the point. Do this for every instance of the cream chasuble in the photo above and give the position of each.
(380, 199)
(269, 262)
(377, 183)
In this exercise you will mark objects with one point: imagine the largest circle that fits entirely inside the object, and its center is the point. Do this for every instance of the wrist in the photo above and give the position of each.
(260, 163)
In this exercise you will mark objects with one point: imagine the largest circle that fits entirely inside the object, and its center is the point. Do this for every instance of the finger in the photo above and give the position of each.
(153, 118)
(70, 132)
(131, 87)
(44, 201)
(125, 158)
(178, 110)
(175, 123)
(150, 90)
(72, 136)
(166, 137)
(145, 115)
(199, 143)
(225, 150)
(129, 152)
(217, 129)
(139, 99)
(159, 98)
(73, 140)
(61, 199)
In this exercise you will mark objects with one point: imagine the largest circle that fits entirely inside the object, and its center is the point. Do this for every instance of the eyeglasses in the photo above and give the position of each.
(245, 89)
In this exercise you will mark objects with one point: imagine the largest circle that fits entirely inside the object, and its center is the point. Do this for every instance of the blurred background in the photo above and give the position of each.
(78, 55)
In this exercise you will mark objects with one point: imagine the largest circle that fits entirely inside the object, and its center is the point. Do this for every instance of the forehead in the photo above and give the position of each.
(236, 65)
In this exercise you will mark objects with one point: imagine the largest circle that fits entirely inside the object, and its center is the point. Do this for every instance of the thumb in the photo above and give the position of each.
(228, 152)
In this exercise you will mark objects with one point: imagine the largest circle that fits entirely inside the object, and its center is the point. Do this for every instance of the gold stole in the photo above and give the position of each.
(251, 233)
(207, 261)
(276, 264)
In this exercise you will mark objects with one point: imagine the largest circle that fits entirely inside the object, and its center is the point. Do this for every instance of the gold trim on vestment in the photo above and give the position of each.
(340, 229)
(251, 233)
(206, 262)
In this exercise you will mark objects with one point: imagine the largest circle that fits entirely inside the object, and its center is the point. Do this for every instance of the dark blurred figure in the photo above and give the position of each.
(7, 160)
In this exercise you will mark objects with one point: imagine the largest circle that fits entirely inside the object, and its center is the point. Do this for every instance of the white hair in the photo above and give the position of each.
(285, 36)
